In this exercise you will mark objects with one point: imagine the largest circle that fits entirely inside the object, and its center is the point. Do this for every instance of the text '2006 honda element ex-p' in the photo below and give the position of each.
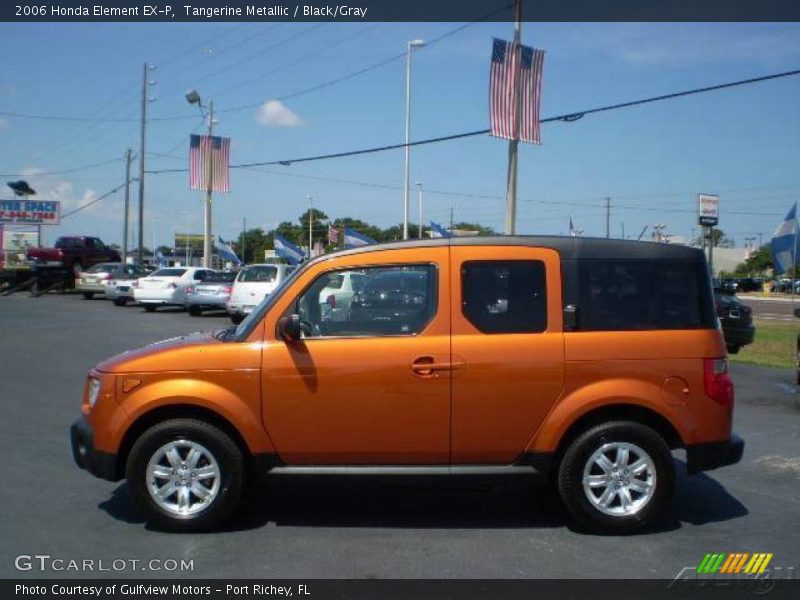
(581, 361)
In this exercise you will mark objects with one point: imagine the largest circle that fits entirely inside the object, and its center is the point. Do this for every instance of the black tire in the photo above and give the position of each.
(577, 455)
(120, 301)
(149, 307)
(236, 319)
(194, 311)
(734, 349)
(225, 451)
(88, 295)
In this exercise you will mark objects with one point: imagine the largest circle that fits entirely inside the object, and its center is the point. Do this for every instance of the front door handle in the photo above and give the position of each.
(426, 366)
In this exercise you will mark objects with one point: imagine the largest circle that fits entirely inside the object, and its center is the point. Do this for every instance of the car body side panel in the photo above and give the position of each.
(639, 368)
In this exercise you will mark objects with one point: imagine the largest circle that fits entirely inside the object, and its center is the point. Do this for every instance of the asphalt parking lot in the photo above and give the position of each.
(331, 528)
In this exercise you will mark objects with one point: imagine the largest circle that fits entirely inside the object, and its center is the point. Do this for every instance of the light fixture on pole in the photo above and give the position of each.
(410, 46)
(193, 97)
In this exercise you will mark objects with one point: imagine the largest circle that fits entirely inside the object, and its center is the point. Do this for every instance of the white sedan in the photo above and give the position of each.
(167, 287)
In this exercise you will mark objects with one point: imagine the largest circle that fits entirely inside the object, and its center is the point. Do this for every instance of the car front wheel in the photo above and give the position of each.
(617, 477)
(185, 475)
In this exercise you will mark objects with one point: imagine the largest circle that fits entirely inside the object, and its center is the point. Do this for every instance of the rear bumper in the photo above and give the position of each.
(712, 455)
(739, 336)
(100, 464)
(209, 301)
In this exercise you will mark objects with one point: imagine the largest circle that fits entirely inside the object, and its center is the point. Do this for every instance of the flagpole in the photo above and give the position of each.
(513, 144)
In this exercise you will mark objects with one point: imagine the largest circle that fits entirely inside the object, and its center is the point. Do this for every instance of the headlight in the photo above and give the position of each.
(94, 391)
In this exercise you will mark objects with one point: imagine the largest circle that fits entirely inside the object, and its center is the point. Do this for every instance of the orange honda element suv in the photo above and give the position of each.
(581, 361)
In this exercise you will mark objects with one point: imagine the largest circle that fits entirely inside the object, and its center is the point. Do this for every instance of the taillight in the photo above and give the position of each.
(189, 290)
(331, 301)
(226, 290)
(108, 277)
(718, 383)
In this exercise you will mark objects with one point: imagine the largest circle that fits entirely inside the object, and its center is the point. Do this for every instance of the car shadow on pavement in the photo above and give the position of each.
(435, 503)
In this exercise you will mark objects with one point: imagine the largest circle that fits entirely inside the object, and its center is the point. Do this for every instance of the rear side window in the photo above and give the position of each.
(630, 295)
(505, 296)
(169, 273)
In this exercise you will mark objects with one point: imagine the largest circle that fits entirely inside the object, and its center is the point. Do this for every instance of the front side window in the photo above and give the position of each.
(396, 300)
(505, 296)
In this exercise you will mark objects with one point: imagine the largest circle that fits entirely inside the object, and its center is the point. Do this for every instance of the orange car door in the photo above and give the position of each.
(371, 386)
(508, 341)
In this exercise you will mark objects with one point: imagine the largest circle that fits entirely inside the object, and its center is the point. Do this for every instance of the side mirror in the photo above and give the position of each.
(289, 328)
(797, 312)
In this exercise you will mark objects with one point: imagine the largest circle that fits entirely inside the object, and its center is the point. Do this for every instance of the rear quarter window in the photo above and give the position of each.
(637, 295)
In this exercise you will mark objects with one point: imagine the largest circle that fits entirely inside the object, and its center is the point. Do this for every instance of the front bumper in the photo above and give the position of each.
(98, 463)
(712, 455)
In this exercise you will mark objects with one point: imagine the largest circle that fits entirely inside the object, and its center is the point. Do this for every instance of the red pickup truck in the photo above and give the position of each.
(73, 253)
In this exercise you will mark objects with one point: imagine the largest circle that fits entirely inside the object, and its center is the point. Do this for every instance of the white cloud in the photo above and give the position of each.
(275, 113)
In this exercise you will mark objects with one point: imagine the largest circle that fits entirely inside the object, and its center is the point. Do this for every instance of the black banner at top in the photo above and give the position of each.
(397, 10)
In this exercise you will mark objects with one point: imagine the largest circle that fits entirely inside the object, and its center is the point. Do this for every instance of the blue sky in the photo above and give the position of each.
(651, 161)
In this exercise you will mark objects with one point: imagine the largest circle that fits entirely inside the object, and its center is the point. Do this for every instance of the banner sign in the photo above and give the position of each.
(32, 212)
(708, 209)
(189, 240)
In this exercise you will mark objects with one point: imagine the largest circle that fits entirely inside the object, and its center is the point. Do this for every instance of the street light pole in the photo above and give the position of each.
(142, 135)
(410, 46)
(128, 159)
(310, 223)
(209, 187)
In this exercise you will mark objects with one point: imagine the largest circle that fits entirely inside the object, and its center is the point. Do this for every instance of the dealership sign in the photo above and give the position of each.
(32, 212)
(708, 209)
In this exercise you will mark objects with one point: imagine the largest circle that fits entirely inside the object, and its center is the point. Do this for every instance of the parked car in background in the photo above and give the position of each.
(736, 319)
(797, 348)
(96, 279)
(120, 288)
(211, 294)
(167, 287)
(75, 253)
(335, 298)
(750, 284)
(252, 285)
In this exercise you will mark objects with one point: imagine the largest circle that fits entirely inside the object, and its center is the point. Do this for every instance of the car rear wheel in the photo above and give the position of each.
(88, 295)
(120, 301)
(732, 349)
(236, 319)
(194, 311)
(150, 307)
(617, 477)
(185, 475)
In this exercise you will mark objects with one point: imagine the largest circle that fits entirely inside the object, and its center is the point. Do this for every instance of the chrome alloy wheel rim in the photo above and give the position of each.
(183, 478)
(619, 479)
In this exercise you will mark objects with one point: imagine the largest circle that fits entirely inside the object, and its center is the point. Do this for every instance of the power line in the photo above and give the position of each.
(567, 118)
(95, 201)
(65, 171)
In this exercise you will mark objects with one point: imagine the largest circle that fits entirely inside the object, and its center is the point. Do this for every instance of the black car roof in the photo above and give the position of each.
(570, 248)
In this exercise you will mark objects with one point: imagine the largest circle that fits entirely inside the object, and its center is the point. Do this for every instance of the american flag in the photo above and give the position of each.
(509, 61)
(218, 149)
(333, 234)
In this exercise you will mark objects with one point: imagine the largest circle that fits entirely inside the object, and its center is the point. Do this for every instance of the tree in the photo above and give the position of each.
(720, 239)
(255, 242)
(481, 229)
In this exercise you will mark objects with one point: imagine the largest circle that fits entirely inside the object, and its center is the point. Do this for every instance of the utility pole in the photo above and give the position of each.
(128, 159)
(608, 218)
(419, 185)
(142, 134)
(244, 230)
(209, 188)
(513, 144)
(310, 223)
(711, 250)
(409, 49)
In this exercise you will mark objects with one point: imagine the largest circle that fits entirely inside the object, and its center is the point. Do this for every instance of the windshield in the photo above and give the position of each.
(266, 274)
(103, 268)
(169, 273)
(246, 327)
